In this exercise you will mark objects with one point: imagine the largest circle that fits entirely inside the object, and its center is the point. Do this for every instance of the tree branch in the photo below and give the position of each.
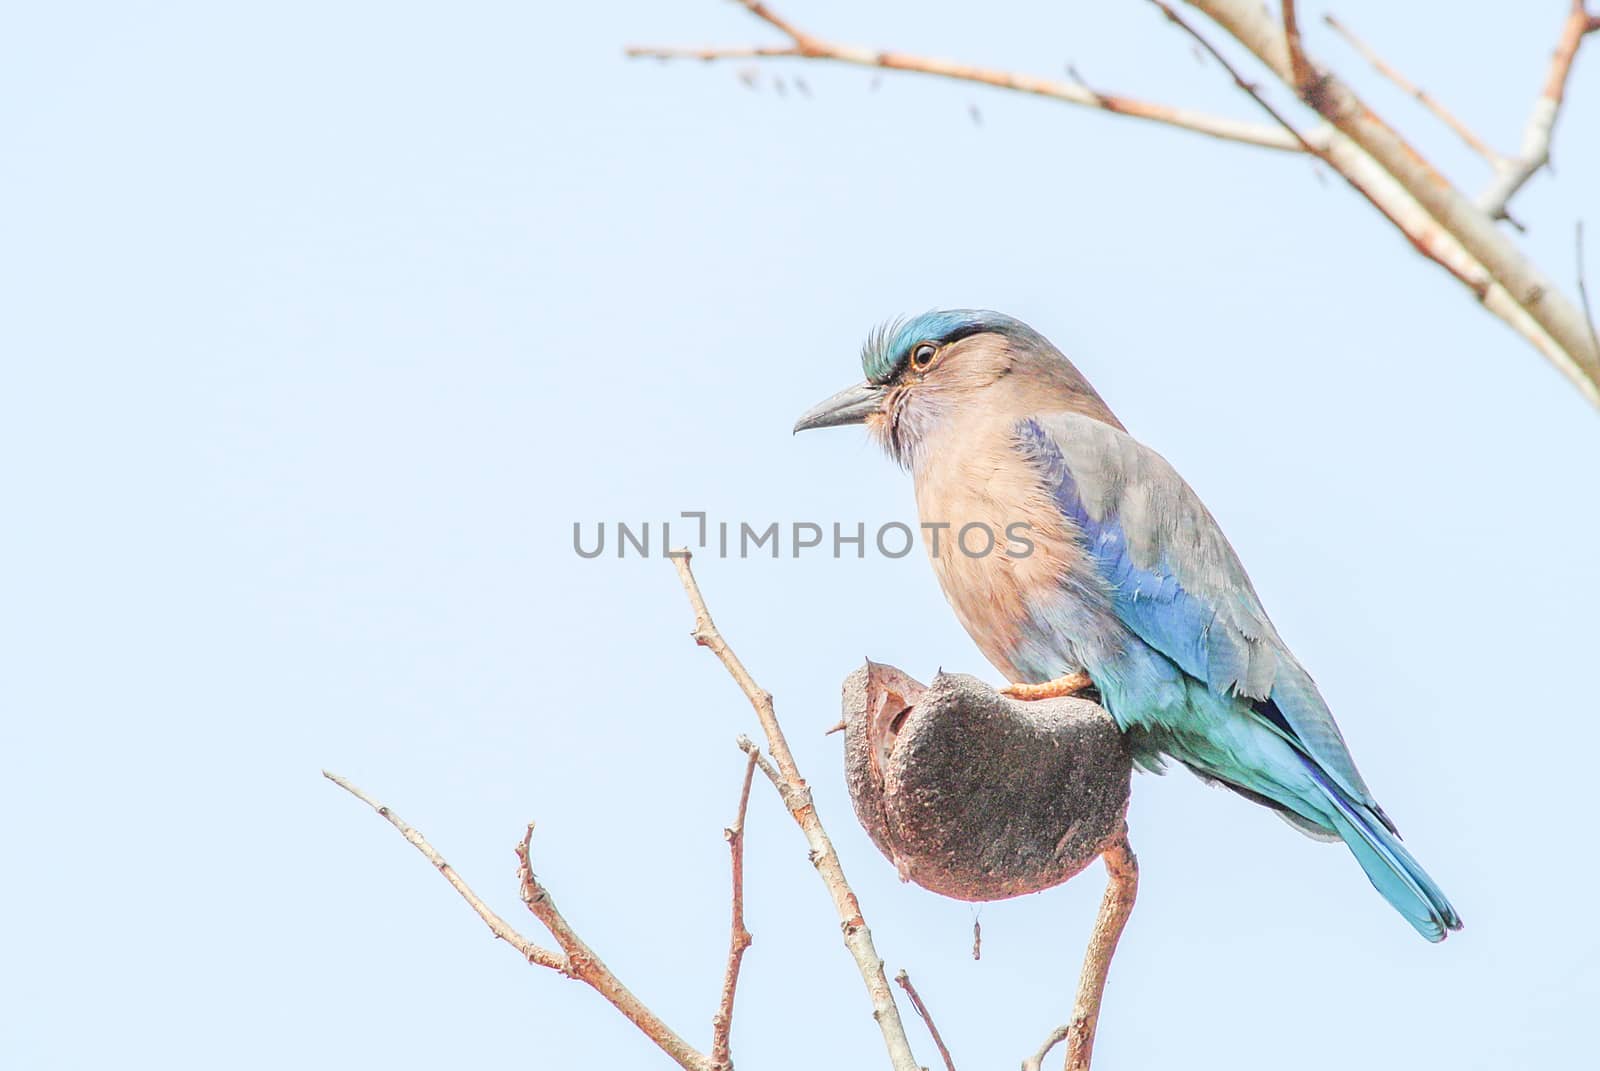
(1414, 226)
(1531, 303)
(1422, 96)
(1301, 76)
(797, 798)
(587, 967)
(1432, 215)
(806, 46)
(1036, 1061)
(534, 954)
(739, 937)
(1122, 888)
(904, 981)
(1511, 175)
(576, 959)
(1583, 285)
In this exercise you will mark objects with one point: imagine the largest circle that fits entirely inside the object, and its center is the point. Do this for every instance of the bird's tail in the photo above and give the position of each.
(1390, 868)
(1261, 757)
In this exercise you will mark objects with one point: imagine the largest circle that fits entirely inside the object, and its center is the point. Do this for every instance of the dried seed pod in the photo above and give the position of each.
(976, 796)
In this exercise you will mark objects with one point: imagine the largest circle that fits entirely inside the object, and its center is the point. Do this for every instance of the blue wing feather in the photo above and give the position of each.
(1176, 583)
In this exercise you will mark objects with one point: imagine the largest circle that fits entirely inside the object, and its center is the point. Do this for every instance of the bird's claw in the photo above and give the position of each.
(1071, 685)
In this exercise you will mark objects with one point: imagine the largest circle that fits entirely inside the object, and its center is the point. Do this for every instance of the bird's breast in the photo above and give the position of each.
(1001, 551)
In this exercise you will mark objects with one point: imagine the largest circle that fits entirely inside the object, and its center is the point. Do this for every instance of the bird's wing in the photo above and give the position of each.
(1175, 581)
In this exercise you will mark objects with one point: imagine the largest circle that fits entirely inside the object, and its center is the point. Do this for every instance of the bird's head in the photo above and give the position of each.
(923, 371)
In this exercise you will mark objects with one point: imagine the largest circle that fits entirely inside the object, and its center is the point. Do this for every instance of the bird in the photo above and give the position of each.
(1118, 581)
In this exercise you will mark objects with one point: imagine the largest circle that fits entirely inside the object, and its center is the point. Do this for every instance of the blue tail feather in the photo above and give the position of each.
(1252, 748)
(1391, 869)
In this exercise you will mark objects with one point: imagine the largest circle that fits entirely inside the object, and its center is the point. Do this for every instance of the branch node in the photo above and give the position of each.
(575, 959)
(1540, 127)
(904, 981)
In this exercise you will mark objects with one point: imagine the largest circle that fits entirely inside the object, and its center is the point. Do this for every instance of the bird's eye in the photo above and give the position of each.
(922, 356)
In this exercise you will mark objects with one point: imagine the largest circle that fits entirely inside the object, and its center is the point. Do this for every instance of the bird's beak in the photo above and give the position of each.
(850, 406)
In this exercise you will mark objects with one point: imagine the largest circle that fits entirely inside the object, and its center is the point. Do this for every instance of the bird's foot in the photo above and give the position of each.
(1072, 684)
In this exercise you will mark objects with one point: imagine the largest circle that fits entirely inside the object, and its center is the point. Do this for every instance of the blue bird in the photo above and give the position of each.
(1077, 558)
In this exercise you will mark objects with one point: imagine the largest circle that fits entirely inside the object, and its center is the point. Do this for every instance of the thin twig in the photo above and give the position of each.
(1422, 96)
(587, 967)
(1122, 888)
(1583, 286)
(796, 797)
(1239, 80)
(762, 762)
(739, 937)
(904, 981)
(1513, 174)
(1531, 302)
(1421, 241)
(1304, 79)
(534, 954)
(1429, 212)
(1056, 1037)
(807, 46)
(576, 959)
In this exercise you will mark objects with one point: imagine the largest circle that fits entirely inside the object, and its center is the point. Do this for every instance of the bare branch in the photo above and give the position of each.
(534, 954)
(1122, 888)
(1583, 285)
(584, 965)
(782, 25)
(1431, 214)
(1512, 175)
(1415, 226)
(806, 46)
(1531, 303)
(904, 981)
(576, 960)
(1301, 75)
(1436, 243)
(739, 937)
(1239, 80)
(1036, 1061)
(796, 797)
(1422, 96)
(762, 762)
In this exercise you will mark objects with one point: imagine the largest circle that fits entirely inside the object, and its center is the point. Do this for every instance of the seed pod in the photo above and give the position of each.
(977, 796)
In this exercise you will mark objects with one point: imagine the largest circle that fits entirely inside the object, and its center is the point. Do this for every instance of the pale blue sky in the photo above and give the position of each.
(323, 323)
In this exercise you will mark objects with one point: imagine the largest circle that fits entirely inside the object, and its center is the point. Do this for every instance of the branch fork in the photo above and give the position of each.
(1436, 219)
(574, 958)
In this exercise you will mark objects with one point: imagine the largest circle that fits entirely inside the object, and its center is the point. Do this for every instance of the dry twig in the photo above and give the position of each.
(1583, 289)
(1056, 1037)
(1122, 888)
(1301, 75)
(585, 966)
(534, 954)
(803, 45)
(1437, 220)
(796, 797)
(1421, 240)
(1511, 175)
(1422, 96)
(576, 959)
(1380, 160)
(904, 981)
(739, 937)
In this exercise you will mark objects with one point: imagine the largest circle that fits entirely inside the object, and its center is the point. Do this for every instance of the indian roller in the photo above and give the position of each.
(1121, 582)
